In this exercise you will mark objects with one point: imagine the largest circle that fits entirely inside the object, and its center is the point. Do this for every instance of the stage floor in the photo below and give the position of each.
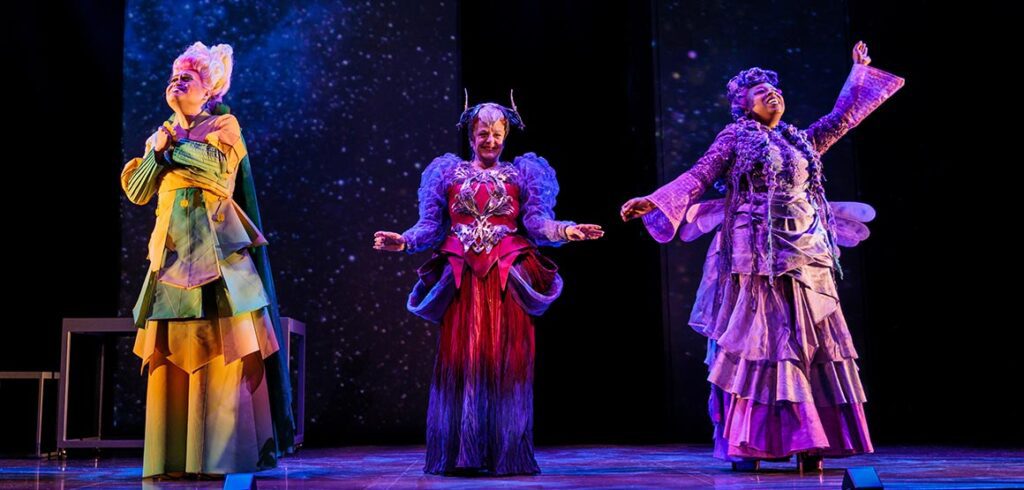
(669, 466)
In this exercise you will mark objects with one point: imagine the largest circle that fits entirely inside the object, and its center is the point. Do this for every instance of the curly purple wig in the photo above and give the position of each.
(739, 84)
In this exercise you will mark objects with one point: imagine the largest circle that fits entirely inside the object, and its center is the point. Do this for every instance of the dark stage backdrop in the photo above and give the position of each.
(923, 296)
(701, 45)
(343, 103)
(583, 78)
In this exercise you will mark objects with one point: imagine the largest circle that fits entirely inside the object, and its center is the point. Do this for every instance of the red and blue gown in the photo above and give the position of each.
(484, 284)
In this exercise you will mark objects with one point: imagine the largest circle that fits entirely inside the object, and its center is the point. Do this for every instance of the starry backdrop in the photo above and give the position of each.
(342, 104)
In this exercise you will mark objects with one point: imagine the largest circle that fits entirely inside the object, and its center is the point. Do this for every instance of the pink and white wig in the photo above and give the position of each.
(213, 66)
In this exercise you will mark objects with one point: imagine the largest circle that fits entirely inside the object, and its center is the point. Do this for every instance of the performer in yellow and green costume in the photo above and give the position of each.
(218, 399)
